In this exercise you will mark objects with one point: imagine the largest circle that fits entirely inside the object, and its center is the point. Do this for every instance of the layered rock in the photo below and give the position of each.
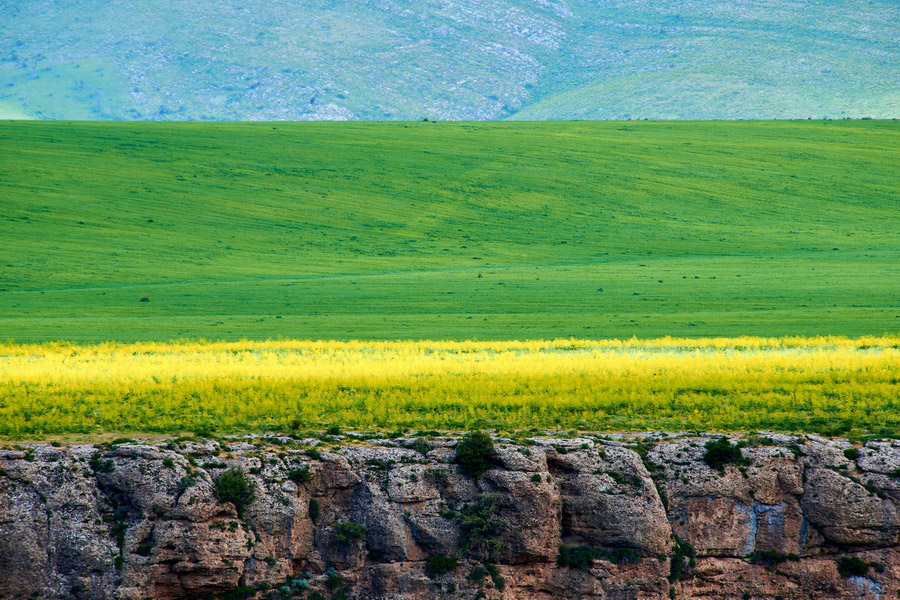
(795, 517)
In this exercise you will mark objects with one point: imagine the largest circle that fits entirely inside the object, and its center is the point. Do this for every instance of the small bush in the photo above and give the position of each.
(314, 454)
(851, 566)
(300, 584)
(420, 446)
(439, 565)
(348, 531)
(314, 510)
(477, 574)
(234, 486)
(721, 452)
(205, 431)
(120, 441)
(239, 593)
(582, 557)
(851, 453)
(498, 580)
(183, 484)
(99, 465)
(333, 430)
(475, 453)
(334, 578)
(300, 475)
(683, 559)
(437, 476)
(621, 556)
(480, 525)
(142, 550)
(578, 557)
(771, 559)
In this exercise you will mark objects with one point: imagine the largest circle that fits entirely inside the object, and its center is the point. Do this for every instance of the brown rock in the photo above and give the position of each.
(148, 523)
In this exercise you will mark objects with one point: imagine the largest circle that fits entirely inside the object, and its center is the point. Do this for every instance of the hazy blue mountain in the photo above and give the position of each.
(448, 59)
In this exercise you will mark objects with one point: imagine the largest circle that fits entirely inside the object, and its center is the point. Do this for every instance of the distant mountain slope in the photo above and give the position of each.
(448, 59)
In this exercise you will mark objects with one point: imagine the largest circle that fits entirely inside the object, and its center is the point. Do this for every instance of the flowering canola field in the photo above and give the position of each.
(831, 385)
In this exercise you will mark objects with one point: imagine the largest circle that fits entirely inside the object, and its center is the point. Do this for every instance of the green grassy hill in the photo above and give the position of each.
(454, 59)
(447, 230)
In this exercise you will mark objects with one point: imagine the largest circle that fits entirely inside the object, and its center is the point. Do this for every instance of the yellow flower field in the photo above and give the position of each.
(824, 384)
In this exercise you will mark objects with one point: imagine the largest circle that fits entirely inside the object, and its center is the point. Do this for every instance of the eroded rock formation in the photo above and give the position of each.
(557, 518)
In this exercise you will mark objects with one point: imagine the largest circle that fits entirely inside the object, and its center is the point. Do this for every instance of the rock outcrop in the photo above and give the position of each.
(555, 518)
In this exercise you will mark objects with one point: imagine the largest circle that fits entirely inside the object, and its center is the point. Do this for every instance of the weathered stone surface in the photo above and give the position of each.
(143, 520)
(609, 500)
(847, 513)
(743, 509)
(880, 457)
(530, 515)
(410, 484)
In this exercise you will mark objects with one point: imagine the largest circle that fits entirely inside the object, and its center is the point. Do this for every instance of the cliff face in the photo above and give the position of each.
(554, 519)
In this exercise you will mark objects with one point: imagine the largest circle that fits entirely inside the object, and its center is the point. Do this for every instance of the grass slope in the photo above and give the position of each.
(447, 230)
(454, 59)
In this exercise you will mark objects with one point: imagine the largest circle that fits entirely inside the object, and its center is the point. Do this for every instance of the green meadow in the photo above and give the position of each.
(483, 231)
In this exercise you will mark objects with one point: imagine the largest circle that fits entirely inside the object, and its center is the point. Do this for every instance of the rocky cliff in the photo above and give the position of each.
(549, 518)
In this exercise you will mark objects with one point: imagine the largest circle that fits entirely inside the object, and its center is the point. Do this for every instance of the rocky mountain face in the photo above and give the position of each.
(448, 59)
(550, 518)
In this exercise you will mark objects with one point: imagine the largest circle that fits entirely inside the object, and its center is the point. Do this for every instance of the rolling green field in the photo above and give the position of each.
(447, 230)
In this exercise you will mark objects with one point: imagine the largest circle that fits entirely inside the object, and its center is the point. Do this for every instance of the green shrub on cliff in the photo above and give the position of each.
(234, 486)
(582, 557)
(683, 559)
(475, 453)
(721, 452)
(300, 475)
(851, 566)
(348, 531)
(480, 526)
(239, 593)
(105, 465)
(439, 564)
